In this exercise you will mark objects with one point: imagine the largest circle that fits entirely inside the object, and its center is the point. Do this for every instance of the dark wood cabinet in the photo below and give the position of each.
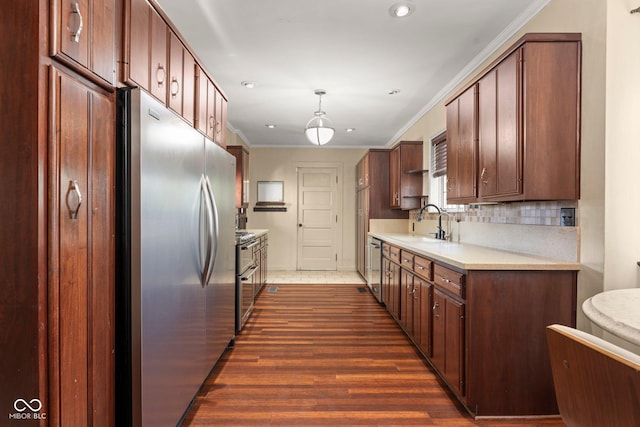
(145, 48)
(181, 90)
(85, 37)
(362, 173)
(242, 174)
(406, 295)
(405, 175)
(81, 299)
(528, 125)
(461, 148)
(391, 286)
(220, 120)
(211, 109)
(422, 320)
(372, 201)
(448, 339)
(158, 84)
(482, 330)
(499, 148)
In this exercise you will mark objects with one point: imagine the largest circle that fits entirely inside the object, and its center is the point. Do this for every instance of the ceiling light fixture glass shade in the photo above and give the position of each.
(319, 129)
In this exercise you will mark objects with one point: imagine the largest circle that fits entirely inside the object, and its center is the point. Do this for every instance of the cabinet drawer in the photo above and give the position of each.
(394, 254)
(449, 280)
(423, 267)
(406, 259)
(386, 250)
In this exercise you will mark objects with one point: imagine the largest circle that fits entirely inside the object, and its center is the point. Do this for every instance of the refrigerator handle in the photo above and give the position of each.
(214, 231)
(204, 194)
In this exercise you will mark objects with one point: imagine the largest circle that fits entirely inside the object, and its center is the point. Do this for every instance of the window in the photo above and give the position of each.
(438, 175)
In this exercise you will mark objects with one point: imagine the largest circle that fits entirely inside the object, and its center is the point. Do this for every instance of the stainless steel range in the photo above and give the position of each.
(246, 267)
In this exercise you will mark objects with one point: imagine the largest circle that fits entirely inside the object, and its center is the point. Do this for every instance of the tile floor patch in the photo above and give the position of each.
(272, 289)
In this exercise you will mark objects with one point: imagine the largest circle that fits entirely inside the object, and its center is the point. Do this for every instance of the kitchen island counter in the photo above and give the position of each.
(472, 257)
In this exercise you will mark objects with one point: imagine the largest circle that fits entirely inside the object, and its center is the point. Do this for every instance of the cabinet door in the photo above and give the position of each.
(188, 87)
(424, 315)
(394, 178)
(137, 36)
(181, 94)
(211, 109)
(176, 61)
(202, 82)
(220, 120)
(395, 290)
(158, 62)
(448, 339)
(406, 301)
(103, 40)
(461, 148)
(439, 329)
(73, 30)
(499, 141)
(82, 283)
(454, 344)
(385, 280)
(86, 35)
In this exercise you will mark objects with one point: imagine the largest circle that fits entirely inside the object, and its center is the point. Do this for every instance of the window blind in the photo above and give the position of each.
(439, 155)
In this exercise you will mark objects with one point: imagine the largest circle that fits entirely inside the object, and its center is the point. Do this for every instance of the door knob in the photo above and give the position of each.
(299, 225)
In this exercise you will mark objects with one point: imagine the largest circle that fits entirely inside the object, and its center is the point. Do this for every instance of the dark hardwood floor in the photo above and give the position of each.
(327, 355)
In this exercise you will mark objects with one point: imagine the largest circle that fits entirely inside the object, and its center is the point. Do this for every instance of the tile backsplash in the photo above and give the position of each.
(523, 213)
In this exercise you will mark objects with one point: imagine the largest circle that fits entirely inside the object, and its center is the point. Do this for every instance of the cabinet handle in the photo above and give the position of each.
(160, 75)
(75, 21)
(484, 171)
(74, 199)
(175, 87)
(445, 280)
(435, 306)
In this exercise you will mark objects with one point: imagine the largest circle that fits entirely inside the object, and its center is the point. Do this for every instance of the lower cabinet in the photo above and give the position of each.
(391, 290)
(81, 270)
(260, 258)
(448, 339)
(483, 331)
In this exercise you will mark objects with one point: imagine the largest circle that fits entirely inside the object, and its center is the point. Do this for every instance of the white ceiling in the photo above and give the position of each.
(353, 49)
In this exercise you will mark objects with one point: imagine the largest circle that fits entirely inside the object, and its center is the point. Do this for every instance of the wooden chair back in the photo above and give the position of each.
(597, 383)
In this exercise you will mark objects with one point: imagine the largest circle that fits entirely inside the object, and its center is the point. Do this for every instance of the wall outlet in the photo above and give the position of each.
(568, 217)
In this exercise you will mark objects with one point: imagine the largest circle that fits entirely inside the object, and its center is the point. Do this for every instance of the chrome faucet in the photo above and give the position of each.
(440, 234)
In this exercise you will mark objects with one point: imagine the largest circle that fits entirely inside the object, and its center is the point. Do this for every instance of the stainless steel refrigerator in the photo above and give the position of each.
(175, 264)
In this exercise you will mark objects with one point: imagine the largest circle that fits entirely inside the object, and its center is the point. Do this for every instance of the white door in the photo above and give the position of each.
(317, 218)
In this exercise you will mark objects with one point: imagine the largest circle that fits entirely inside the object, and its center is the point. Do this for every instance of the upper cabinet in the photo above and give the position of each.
(500, 153)
(182, 71)
(211, 109)
(157, 59)
(85, 37)
(405, 175)
(461, 148)
(527, 123)
(145, 51)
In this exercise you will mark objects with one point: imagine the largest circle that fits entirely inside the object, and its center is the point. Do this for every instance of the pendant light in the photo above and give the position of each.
(319, 130)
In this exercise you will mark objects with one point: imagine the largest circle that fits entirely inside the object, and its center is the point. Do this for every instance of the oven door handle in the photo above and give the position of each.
(253, 270)
(244, 248)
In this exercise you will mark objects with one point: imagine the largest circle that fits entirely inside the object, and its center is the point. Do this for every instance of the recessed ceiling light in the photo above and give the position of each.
(350, 129)
(270, 126)
(394, 91)
(400, 10)
(248, 85)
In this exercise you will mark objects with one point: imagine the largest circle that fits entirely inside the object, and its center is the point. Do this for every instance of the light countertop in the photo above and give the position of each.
(257, 231)
(472, 257)
(616, 311)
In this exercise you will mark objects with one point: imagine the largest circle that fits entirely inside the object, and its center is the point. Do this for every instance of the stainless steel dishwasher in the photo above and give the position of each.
(374, 264)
